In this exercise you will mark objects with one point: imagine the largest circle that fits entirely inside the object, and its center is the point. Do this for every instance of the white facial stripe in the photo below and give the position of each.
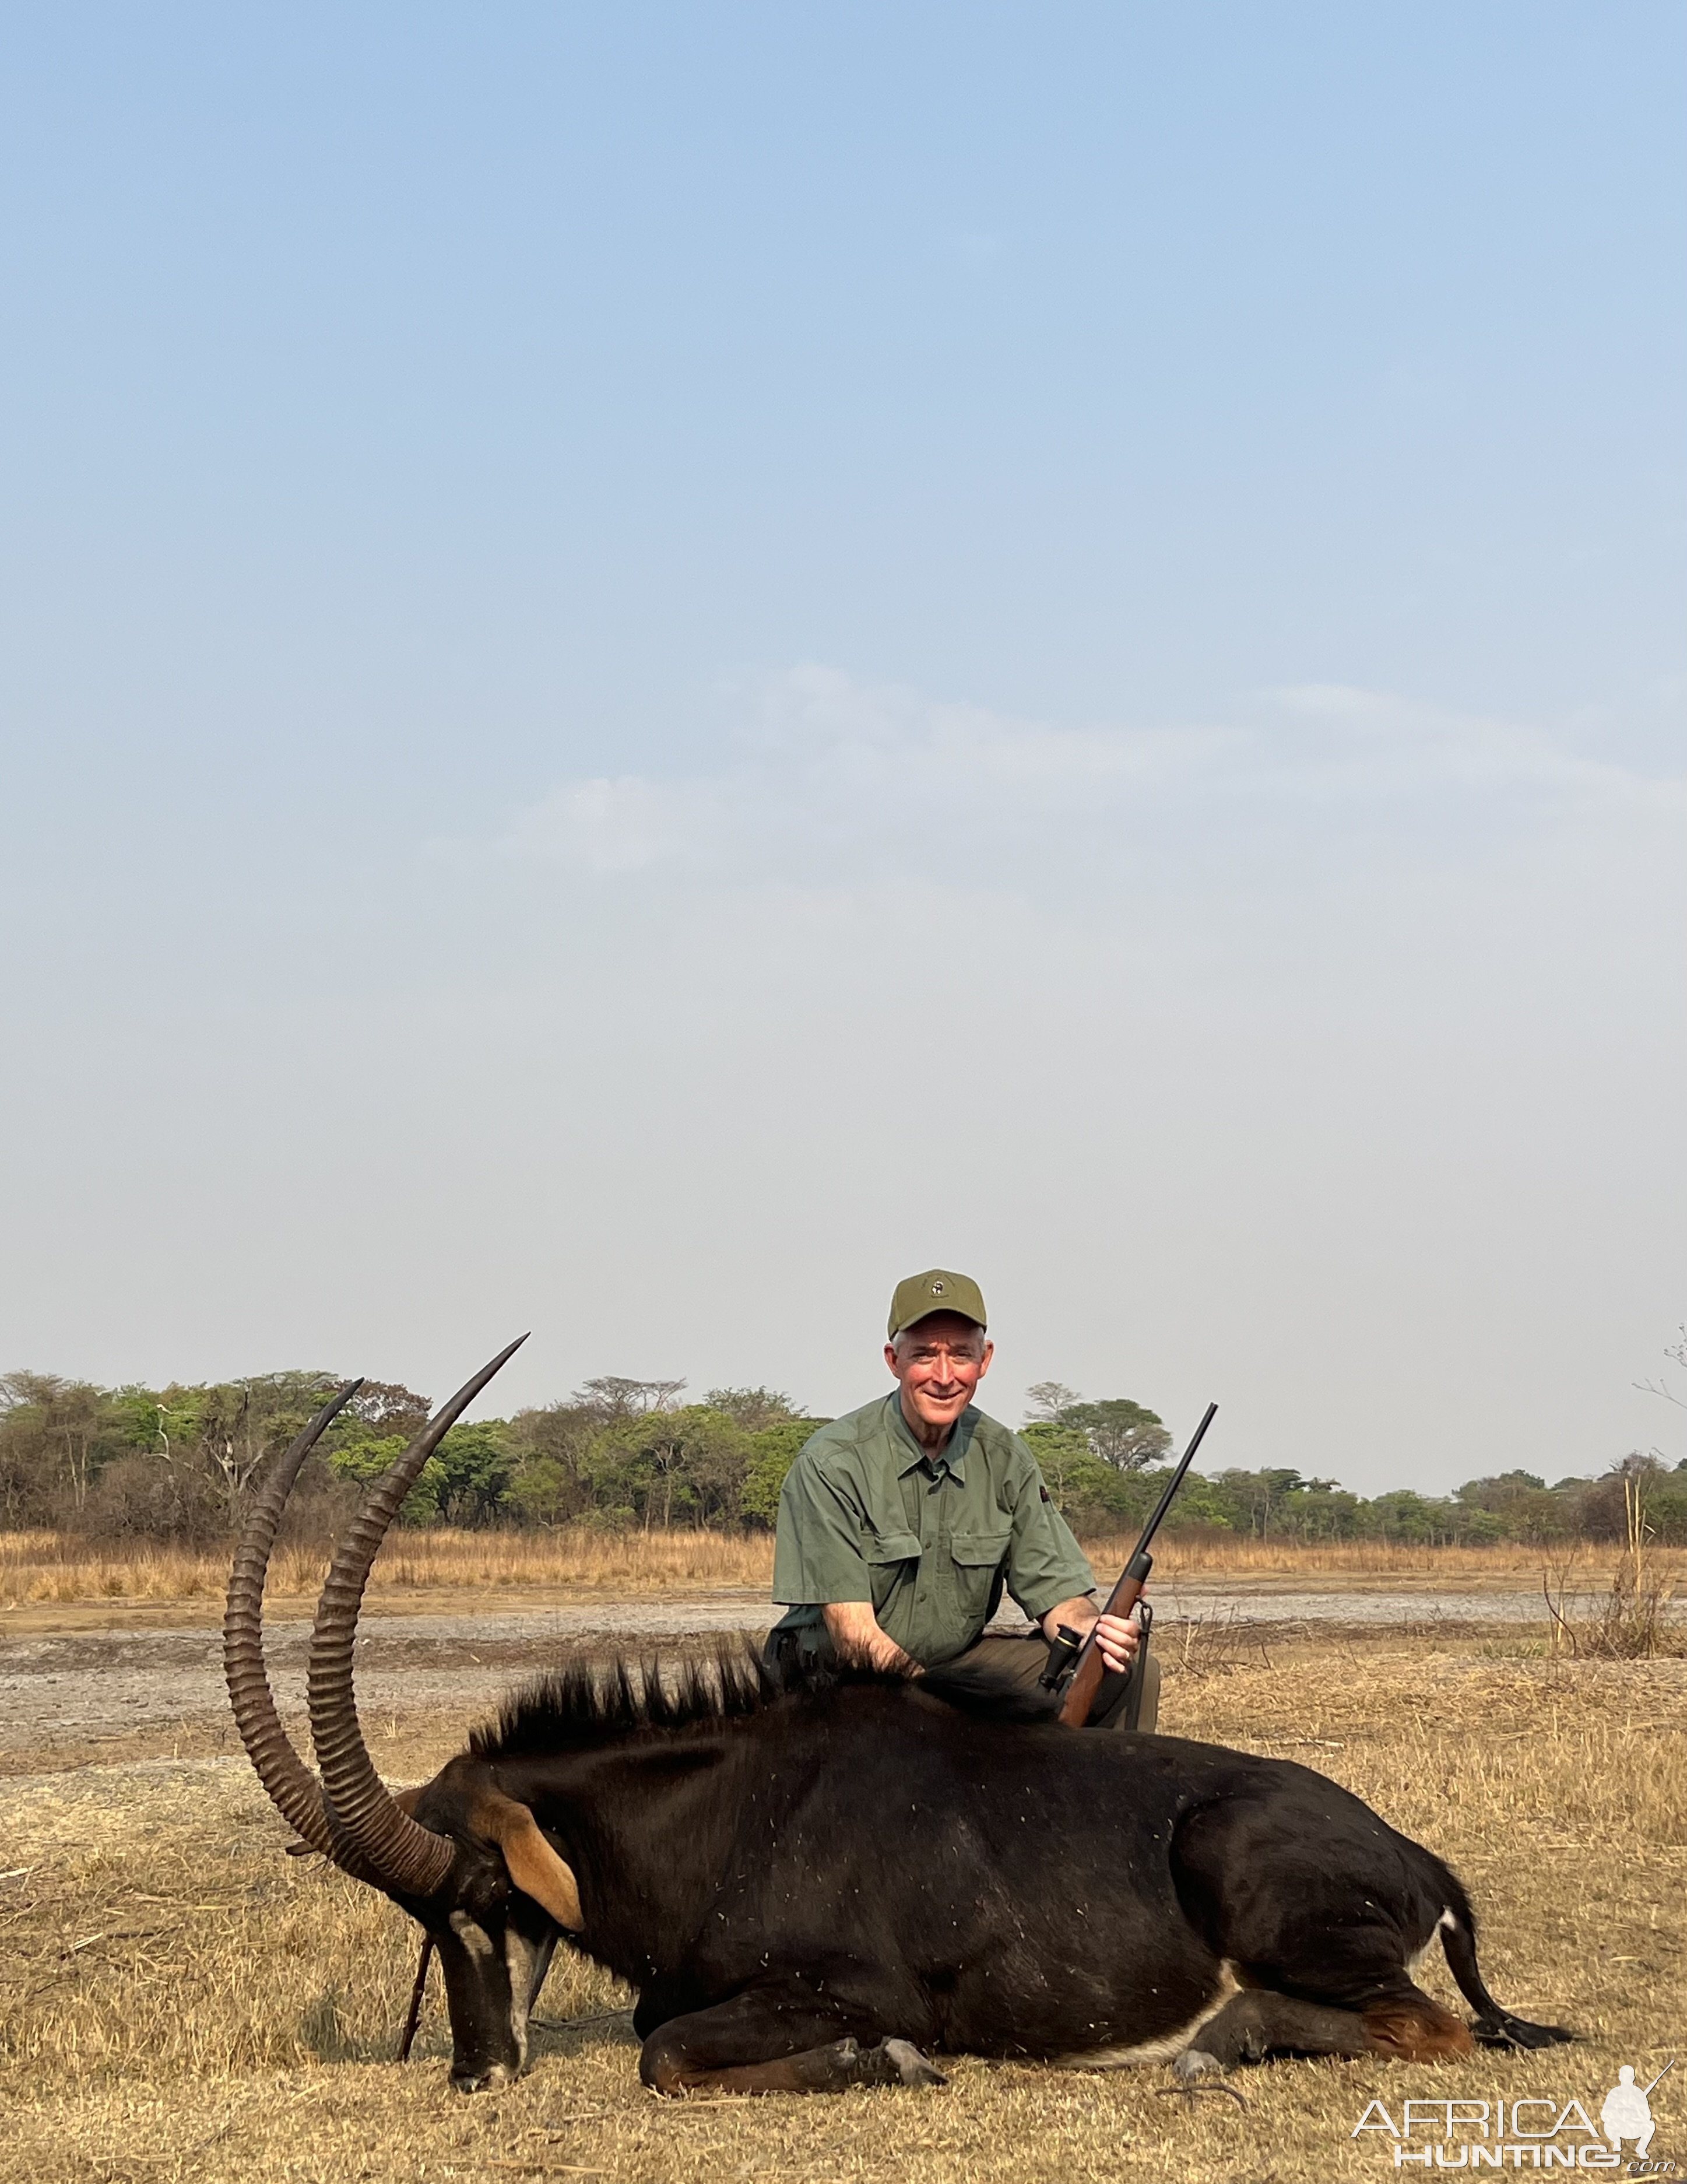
(522, 1959)
(475, 1939)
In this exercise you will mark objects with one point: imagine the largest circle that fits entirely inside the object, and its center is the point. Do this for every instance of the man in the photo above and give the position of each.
(900, 1524)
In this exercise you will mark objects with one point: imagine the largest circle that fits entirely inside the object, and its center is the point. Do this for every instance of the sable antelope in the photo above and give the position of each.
(811, 1876)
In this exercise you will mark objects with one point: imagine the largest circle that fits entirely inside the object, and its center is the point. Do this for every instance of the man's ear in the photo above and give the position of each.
(534, 1867)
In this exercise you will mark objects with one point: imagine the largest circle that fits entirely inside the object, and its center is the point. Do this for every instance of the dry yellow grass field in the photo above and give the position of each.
(51, 1566)
(182, 2002)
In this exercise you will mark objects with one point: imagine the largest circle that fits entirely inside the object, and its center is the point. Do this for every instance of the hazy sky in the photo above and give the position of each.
(659, 663)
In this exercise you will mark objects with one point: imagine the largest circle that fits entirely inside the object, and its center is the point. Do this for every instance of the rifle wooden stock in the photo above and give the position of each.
(1090, 1667)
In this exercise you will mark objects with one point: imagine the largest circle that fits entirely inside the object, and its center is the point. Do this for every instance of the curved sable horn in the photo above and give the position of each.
(283, 1774)
(404, 1855)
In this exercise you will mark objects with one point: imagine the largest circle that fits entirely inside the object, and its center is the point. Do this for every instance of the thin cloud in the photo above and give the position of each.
(826, 776)
(1377, 743)
(624, 824)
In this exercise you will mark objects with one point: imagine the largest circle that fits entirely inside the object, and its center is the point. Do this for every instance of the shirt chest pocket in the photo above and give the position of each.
(891, 1557)
(979, 1558)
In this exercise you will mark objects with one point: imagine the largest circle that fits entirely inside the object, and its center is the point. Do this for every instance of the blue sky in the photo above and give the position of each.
(660, 662)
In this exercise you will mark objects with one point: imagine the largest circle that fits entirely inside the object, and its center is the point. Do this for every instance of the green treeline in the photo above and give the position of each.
(175, 1462)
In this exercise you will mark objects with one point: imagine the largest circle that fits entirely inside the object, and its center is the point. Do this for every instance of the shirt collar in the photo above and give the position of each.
(951, 1458)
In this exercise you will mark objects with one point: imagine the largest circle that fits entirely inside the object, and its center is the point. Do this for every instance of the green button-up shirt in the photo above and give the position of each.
(865, 1514)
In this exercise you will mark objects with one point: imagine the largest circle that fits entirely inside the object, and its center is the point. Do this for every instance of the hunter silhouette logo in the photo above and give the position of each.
(1627, 2110)
(1533, 2133)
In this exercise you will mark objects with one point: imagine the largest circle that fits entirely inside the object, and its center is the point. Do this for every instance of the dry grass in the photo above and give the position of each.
(51, 1566)
(1631, 1618)
(1205, 1554)
(180, 2001)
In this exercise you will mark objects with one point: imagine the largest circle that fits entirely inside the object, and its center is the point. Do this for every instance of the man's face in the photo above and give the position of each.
(939, 1361)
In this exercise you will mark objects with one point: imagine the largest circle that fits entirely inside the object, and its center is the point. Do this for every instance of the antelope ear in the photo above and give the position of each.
(535, 1867)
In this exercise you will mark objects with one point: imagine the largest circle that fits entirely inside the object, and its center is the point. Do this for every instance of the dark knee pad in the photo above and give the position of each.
(1131, 1702)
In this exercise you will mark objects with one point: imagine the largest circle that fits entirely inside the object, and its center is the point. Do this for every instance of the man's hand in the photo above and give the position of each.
(1117, 1637)
(857, 1634)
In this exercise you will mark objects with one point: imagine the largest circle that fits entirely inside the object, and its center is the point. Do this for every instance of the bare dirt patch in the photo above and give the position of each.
(73, 1691)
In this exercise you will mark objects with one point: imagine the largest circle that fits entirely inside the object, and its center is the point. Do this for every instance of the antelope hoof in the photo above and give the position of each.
(482, 2081)
(899, 2063)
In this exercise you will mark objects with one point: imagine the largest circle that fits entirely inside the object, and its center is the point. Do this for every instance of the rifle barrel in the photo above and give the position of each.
(1088, 1668)
(1173, 1482)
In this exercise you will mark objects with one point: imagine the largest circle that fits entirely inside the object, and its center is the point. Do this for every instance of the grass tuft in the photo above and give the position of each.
(1631, 1618)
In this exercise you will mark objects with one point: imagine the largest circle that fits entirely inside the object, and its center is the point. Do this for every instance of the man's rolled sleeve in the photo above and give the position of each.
(1045, 1565)
(817, 1558)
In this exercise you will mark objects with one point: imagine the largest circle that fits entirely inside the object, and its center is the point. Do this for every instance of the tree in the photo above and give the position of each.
(53, 1429)
(613, 1397)
(53, 1436)
(175, 1462)
(550, 1486)
(1319, 1509)
(242, 1422)
(1678, 1350)
(772, 1451)
(1666, 1507)
(156, 1419)
(385, 1407)
(657, 1461)
(1121, 1432)
(1063, 1455)
(479, 1460)
(1045, 1400)
(753, 1408)
(1603, 1511)
(365, 1459)
(1501, 1491)
(373, 1431)
(1516, 1505)
(1277, 1502)
(1088, 1493)
(1412, 1519)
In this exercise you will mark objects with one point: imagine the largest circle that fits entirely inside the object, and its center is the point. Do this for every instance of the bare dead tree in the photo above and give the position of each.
(1676, 1350)
(1044, 1400)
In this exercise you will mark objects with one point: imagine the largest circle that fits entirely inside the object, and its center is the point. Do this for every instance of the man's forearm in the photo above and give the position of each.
(1077, 1613)
(855, 1631)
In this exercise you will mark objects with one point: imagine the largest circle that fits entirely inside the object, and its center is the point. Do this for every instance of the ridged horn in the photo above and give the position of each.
(278, 1768)
(404, 1856)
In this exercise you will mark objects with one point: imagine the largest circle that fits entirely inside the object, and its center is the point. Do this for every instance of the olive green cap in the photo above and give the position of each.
(935, 1290)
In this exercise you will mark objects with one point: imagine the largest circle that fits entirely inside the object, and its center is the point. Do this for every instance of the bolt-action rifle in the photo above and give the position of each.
(1083, 1656)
